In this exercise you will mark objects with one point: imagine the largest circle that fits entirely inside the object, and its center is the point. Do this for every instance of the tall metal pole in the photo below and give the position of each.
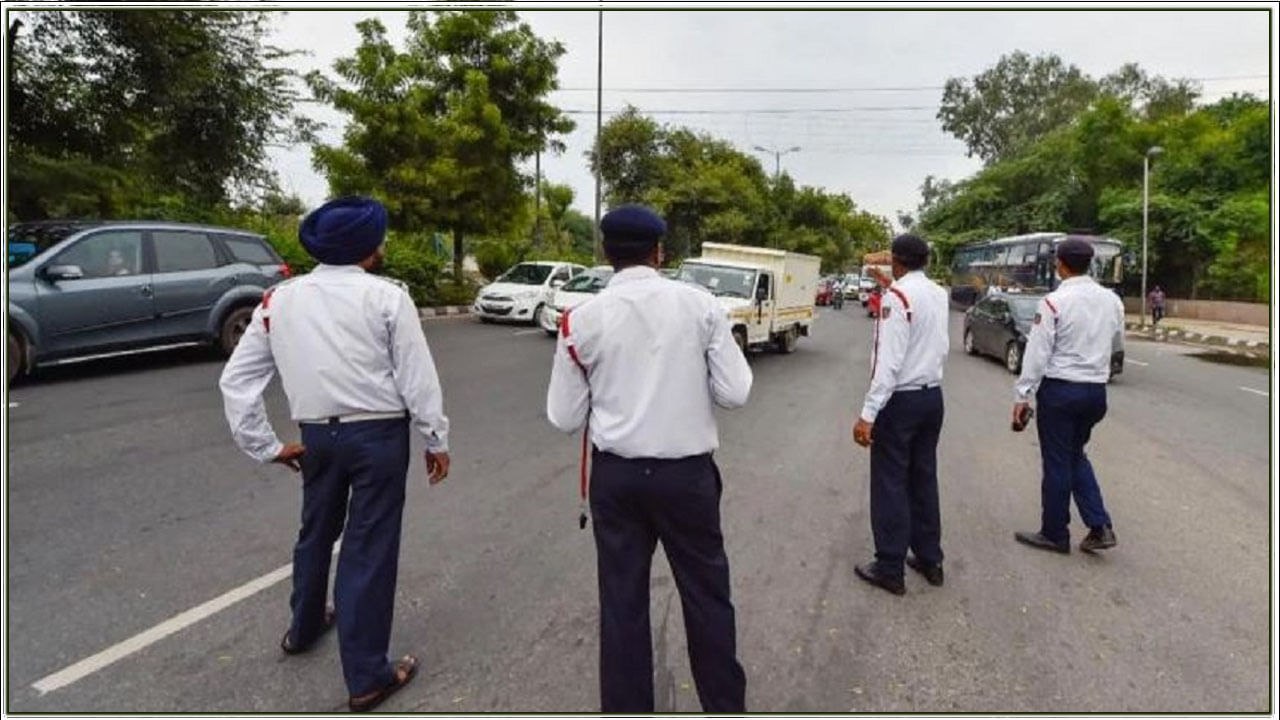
(1146, 169)
(537, 190)
(599, 249)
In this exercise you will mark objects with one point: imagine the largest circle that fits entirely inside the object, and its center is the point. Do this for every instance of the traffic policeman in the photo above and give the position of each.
(901, 420)
(642, 364)
(356, 369)
(1068, 358)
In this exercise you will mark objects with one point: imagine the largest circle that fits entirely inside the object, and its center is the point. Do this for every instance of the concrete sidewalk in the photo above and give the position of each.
(1252, 339)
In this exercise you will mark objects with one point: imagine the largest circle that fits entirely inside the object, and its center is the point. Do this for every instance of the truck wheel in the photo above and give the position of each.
(788, 339)
(740, 337)
(14, 350)
(233, 327)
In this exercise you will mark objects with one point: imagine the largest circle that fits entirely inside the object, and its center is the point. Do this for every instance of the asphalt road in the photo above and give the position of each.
(129, 505)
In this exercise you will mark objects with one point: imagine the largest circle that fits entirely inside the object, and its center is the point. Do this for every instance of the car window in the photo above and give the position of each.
(177, 251)
(106, 254)
(249, 251)
(526, 274)
(562, 274)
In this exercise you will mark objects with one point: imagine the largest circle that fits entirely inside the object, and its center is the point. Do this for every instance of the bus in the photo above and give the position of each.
(1026, 262)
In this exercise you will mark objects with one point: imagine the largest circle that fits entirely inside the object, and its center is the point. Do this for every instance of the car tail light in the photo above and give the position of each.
(285, 270)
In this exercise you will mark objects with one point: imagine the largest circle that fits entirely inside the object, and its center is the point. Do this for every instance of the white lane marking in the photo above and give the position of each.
(528, 332)
(1136, 362)
(1263, 393)
(146, 638)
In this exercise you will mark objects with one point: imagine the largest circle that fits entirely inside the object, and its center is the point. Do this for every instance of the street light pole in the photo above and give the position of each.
(777, 158)
(1146, 184)
(599, 250)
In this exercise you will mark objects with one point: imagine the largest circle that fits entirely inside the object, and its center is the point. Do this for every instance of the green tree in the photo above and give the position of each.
(436, 131)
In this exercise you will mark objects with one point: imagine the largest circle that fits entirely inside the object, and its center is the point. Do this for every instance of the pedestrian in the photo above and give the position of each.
(901, 420)
(355, 365)
(643, 364)
(1068, 358)
(1156, 299)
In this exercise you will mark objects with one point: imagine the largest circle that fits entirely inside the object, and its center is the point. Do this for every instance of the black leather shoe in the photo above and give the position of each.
(932, 573)
(872, 574)
(1099, 538)
(1036, 540)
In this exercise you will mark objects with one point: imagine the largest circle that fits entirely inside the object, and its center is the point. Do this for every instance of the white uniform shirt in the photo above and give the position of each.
(911, 343)
(345, 342)
(1072, 335)
(658, 353)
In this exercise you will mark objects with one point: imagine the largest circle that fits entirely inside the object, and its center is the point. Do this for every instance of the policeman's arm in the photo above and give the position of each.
(1035, 358)
(569, 394)
(890, 351)
(1119, 312)
(414, 372)
(244, 380)
(730, 375)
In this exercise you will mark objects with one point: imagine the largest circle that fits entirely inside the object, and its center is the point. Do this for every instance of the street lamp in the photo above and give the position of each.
(777, 157)
(1153, 151)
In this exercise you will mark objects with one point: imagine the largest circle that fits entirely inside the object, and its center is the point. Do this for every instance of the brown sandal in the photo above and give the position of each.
(330, 619)
(402, 672)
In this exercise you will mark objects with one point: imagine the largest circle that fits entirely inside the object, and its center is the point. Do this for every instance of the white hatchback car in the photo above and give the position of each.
(575, 292)
(523, 292)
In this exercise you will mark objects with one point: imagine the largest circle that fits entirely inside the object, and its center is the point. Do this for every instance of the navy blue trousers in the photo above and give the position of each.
(352, 473)
(904, 479)
(1065, 415)
(634, 504)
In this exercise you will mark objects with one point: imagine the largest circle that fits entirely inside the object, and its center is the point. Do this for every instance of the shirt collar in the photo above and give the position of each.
(632, 274)
(1076, 280)
(323, 268)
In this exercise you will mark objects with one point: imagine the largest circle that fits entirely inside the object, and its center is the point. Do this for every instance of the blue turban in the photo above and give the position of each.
(344, 231)
(631, 229)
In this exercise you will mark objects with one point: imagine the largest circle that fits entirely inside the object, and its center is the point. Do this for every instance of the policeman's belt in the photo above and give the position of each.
(357, 417)
(913, 388)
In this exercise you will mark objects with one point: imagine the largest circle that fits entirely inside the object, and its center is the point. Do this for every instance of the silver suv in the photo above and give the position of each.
(81, 290)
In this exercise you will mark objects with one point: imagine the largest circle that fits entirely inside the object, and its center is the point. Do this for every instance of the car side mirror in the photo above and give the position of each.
(762, 294)
(63, 272)
(556, 283)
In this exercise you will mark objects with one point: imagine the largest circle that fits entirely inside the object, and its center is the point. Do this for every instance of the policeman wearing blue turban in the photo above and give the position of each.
(355, 365)
(642, 365)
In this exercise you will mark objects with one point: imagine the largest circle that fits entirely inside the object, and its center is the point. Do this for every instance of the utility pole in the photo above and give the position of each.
(599, 248)
(1146, 173)
(537, 188)
(777, 158)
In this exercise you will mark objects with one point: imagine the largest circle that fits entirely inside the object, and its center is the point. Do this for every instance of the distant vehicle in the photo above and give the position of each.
(768, 294)
(999, 326)
(523, 292)
(826, 290)
(873, 301)
(88, 289)
(1026, 262)
(573, 293)
(852, 284)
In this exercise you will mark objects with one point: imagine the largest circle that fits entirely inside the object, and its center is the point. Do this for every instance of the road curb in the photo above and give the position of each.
(428, 313)
(1175, 334)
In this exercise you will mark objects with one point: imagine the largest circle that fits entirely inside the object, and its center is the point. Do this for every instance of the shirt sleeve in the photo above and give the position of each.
(414, 372)
(893, 330)
(729, 374)
(1119, 311)
(569, 394)
(244, 380)
(1035, 358)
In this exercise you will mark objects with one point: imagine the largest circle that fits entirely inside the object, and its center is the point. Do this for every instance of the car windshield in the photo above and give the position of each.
(27, 240)
(591, 281)
(526, 274)
(720, 280)
(1023, 308)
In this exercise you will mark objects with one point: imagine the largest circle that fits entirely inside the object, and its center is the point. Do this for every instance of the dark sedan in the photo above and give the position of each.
(998, 326)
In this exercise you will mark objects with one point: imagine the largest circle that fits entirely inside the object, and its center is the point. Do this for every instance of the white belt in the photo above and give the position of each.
(356, 417)
(909, 388)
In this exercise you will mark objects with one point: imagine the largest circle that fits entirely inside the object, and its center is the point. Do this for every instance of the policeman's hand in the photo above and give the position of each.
(862, 432)
(290, 456)
(1019, 409)
(437, 467)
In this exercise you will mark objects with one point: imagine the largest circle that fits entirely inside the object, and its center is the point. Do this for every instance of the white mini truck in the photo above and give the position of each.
(767, 294)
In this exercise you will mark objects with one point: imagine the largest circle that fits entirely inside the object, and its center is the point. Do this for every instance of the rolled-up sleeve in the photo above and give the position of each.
(1035, 359)
(415, 375)
(729, 374)
(243, 382)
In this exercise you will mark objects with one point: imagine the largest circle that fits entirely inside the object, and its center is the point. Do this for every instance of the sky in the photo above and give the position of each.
(862, 86)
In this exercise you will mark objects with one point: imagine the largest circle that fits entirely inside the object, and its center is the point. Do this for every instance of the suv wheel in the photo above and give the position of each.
(14, 350)
(233, 327)
(1013, 357)
(968, 343)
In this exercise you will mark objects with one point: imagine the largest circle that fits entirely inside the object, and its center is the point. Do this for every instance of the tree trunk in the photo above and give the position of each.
(457, 256)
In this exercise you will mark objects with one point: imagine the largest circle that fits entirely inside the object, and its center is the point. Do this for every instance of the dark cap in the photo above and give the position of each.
(1075, 248)
(631, 228)
(910, 250)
